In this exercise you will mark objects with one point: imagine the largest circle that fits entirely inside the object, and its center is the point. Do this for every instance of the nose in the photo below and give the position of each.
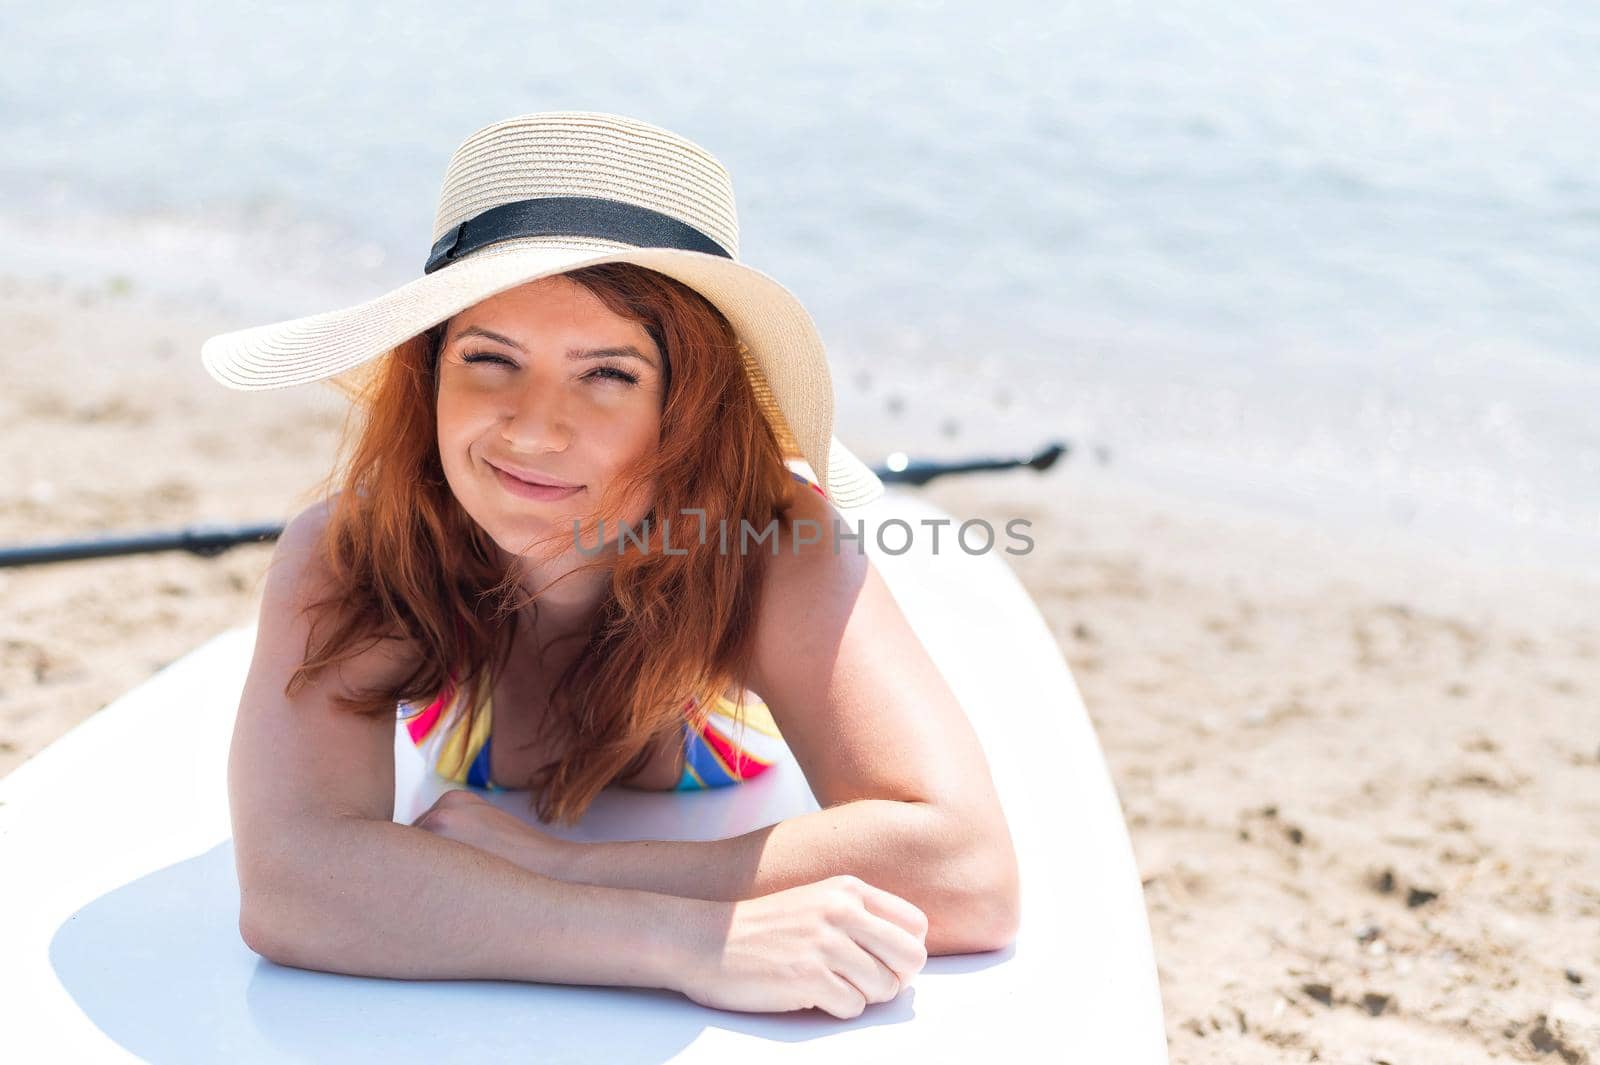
(537, 420)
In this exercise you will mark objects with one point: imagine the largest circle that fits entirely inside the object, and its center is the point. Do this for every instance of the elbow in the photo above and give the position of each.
(295, 903)
(987, 903)
(266, 923)
(279, 867)
(263, 933)
(260, 934)
(981, 922)
(274, 933)
(986, 914)
(1002, 912)
(994, 913)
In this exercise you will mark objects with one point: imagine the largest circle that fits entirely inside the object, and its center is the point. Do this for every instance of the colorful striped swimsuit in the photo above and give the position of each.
(712, 756)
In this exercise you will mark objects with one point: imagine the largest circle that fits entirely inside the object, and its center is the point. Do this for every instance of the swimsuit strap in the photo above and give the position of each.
(813, 484)
(440, 729)
(720, 753)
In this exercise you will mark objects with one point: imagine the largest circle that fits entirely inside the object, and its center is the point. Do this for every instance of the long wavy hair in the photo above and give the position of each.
(674, 629)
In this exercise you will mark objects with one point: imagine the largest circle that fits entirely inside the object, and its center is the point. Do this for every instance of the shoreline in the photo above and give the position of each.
(1352, 762)
(1459, 449)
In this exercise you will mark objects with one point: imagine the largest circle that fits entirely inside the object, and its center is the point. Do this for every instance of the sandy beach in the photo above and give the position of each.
(1362, 776)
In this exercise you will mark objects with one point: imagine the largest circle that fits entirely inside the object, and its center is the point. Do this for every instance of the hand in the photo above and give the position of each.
(837, 944)
(469, 818)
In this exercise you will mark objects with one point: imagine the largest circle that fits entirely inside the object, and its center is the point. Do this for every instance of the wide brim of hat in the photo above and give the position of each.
(789, 359)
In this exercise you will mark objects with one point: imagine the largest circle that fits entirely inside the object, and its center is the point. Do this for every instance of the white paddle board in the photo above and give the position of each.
(119, 904)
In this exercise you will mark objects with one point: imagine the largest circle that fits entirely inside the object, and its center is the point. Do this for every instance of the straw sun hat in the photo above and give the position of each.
(545, 193)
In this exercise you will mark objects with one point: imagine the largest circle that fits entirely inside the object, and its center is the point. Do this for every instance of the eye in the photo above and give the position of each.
(486, 356)
(614, 374)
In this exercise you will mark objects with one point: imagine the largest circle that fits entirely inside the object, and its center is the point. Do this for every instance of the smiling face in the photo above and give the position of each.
(544, 383)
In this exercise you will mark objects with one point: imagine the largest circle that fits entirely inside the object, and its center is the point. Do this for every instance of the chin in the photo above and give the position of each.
(516, 533)
(513, 529)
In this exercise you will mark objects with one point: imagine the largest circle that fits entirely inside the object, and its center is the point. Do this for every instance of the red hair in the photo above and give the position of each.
(407, 561)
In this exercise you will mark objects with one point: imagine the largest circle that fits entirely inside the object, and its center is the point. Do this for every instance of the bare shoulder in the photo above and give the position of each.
(853, 692)
(298, 572)
(816, 546)
(299, 558)
(298, 583)
(302, 754)
(812, 583)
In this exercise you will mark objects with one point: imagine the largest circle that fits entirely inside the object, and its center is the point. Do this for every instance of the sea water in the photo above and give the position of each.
(1337, 260)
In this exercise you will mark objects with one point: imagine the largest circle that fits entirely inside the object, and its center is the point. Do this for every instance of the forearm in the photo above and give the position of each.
(904, 848)
(376, 898)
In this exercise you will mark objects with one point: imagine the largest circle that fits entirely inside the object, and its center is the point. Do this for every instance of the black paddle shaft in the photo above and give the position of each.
(211, 540)
(203, 540)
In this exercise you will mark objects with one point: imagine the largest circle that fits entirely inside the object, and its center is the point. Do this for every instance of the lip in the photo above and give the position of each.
(530, 490)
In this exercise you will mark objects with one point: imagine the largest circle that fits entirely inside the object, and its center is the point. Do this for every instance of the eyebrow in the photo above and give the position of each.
(625, 351)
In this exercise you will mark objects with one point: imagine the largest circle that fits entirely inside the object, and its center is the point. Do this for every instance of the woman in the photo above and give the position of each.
(584, 382)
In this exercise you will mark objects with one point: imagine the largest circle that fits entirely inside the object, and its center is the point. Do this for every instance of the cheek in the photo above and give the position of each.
(446, 433)
(622, 440)
(633, 441)
(455, 433)
(635, 436)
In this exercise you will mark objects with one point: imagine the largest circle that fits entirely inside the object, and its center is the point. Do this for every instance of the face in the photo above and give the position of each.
(543, 383)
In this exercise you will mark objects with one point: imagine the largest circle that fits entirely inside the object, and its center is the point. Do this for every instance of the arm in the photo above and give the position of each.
(374, 898)
(886, 749)
(908, 801)
(328, 880)
(906, 848)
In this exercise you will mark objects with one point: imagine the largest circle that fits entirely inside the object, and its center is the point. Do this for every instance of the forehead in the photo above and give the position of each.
(543, 306)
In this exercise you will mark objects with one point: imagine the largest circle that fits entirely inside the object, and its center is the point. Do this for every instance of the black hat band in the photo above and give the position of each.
(569, 216)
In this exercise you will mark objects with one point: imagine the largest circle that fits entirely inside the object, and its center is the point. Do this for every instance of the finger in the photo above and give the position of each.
(899, 951)
(867, 973)
(840, 997)
(892, 907)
